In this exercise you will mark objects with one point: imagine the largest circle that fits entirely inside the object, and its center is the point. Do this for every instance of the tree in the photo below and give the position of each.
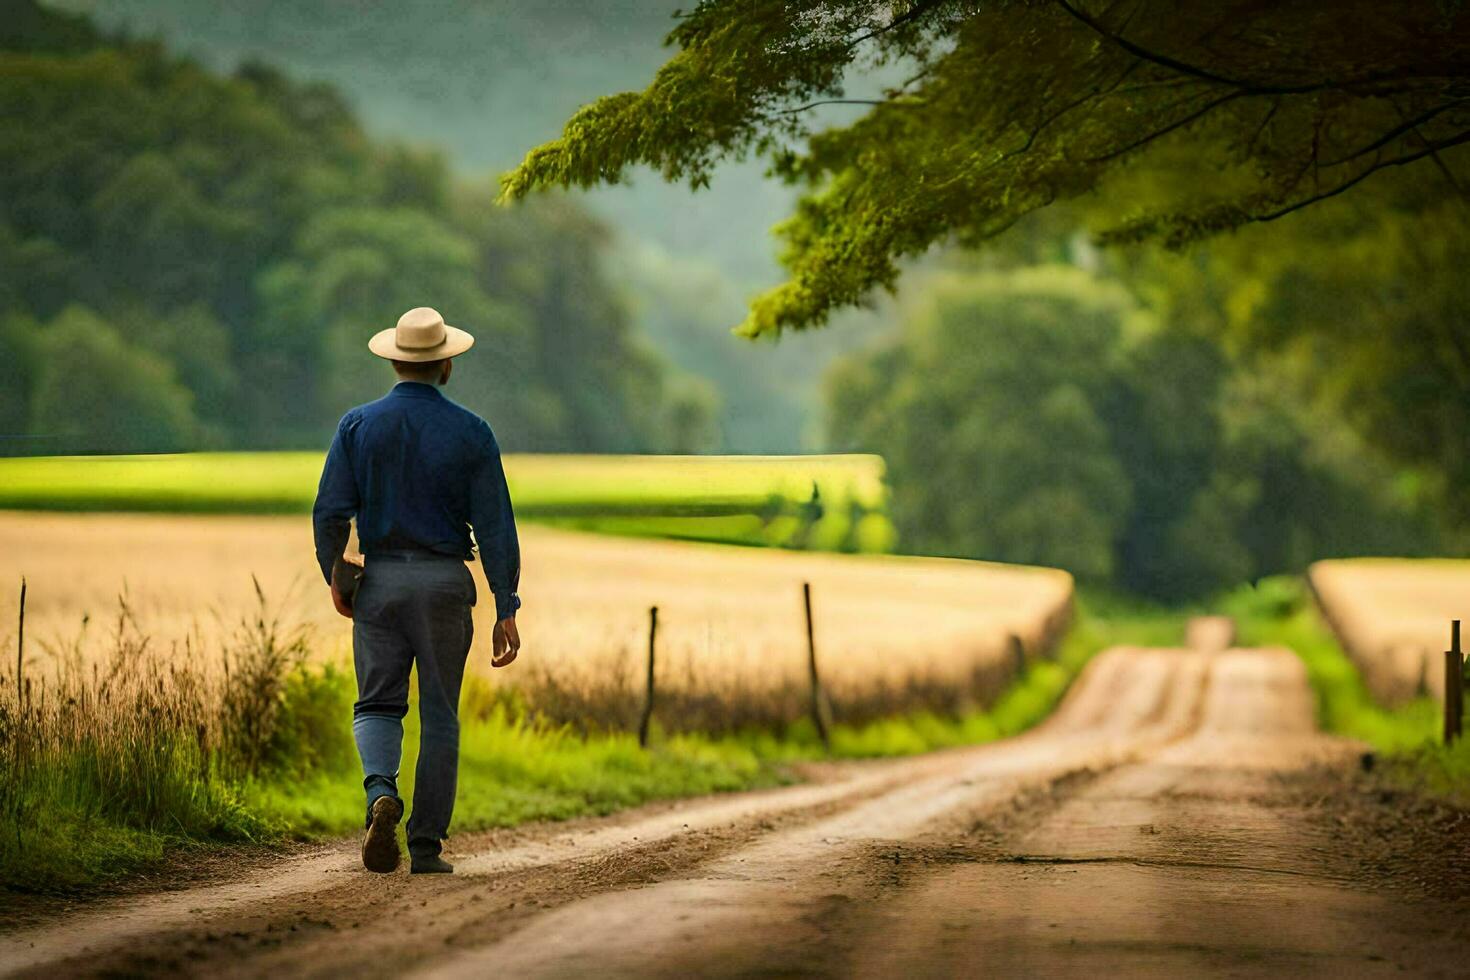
(1041, 415)
(92, 392)
(1008, 107)
(1357, 303)
(353, 267)
(988, 412)
(242, 235)
(610, 389)
(18, 336)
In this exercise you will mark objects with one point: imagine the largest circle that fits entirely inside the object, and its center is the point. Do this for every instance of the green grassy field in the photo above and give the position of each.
(738, 499)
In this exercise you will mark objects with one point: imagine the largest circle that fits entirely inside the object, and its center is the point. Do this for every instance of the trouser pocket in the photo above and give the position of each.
(471, 594)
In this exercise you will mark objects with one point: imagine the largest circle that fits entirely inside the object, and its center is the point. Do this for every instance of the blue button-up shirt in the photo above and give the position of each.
(418, 472)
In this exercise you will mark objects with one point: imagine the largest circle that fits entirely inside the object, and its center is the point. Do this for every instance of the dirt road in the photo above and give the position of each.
(1171, 819)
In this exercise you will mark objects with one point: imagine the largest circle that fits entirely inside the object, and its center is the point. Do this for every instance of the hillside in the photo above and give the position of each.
(211, 251)
(490, 80)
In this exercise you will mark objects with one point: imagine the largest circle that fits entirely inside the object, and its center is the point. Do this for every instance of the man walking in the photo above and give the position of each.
(417, 471)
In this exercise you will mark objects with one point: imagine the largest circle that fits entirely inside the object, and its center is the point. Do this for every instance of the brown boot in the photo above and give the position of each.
(430, 864)
(380, 843)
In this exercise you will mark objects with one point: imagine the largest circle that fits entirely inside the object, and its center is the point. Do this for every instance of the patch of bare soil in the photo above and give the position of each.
(1178, 816)
(1400, 840)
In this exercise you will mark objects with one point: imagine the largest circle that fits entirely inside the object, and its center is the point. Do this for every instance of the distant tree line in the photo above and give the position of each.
(189, 260)
(1044, 415)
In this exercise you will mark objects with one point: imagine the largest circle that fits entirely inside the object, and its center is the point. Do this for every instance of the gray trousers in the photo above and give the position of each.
(406, 614)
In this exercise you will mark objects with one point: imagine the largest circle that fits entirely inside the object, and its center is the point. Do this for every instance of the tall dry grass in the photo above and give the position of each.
(112, 747)
(893, 634)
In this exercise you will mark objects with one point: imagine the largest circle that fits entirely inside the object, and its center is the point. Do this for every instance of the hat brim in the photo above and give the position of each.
(456, 342)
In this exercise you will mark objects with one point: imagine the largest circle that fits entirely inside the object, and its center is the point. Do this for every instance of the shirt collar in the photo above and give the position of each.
(415, 389)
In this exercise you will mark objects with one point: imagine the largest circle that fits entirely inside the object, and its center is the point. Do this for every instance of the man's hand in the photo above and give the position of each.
(341, 602)
(343, 606)
(507, 643)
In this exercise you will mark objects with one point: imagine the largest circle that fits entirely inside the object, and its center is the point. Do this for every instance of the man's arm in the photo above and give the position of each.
(494, 522)
(336, 505)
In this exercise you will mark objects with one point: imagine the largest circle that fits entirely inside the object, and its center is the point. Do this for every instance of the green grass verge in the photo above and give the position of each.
(1279, 611)
(1407, 736)
(512, 770)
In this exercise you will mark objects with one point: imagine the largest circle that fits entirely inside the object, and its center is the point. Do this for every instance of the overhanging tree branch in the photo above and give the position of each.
(1166, 130)
(1429, 150)
(918, 10)
(1402, 129)
(1449, 69)
(1020, 103)
(1138, 51)
(822, 102)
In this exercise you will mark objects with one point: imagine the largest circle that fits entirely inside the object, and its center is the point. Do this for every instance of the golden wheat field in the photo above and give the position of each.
(892, 633)
(1393, 617)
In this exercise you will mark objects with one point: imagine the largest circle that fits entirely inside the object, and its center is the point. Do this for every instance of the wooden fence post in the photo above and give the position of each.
(20, 643)
(1454, 686)
(648, 693)
(821, 710)
(1018, 656)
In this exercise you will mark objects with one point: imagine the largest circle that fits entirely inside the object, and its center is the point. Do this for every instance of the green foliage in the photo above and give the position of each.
(242, 238)
(90, 387)
(988, 414)
(1040, 415)
(1357, 303)
(1438, 769)
(1278, 611)
(1010, 107)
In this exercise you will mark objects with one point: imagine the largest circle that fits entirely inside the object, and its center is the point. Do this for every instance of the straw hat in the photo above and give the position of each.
(421, 335)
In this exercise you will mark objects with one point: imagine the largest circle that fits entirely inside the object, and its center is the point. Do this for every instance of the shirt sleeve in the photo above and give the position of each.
(494, 523)
(336, 504)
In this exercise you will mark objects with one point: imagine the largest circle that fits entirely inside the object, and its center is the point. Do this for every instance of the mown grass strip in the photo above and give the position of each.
(835, 503)
(554, 485)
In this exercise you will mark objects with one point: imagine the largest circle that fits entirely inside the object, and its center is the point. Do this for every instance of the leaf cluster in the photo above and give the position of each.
(1010, 106)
